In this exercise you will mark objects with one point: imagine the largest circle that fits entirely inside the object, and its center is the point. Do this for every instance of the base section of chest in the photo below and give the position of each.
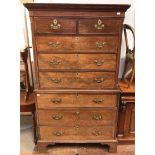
(42, 146)
(77, 117)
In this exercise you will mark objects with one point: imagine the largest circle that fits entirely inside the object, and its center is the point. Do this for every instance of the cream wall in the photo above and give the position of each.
(129, 19)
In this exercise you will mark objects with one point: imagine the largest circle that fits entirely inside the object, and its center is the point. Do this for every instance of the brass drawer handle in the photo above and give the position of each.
(55, 25)
(100, 44)
(55, 62)
(96, 133)
(99, 80)
(99, 25)
(56, 80)
(99, 62)
(56, 100)
(57, 117)
(97, 117)
(54, 44)
(59, 133)
(97, 100)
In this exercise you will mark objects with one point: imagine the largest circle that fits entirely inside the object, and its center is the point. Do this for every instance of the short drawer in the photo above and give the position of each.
(84, 117)
(84, 80)
(70, 44)
(77, 61)
(76, 133)
(99, 26)
(53, 25)
(76, 100)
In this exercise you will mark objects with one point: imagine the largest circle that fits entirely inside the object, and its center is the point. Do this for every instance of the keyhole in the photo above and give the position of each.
(77, 112)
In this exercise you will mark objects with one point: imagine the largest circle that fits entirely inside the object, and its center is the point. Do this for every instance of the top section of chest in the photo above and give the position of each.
(76, 19)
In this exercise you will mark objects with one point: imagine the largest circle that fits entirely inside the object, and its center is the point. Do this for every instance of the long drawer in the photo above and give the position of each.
(77, 44)
(75, 100)
(77, 80)
(77, 61)
(76, 133)
(71, 117)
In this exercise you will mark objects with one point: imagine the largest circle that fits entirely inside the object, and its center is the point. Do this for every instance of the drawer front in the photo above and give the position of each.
(84, 117)
(57, 61)
(97, 44)
(77, 61)
(99, 26)
(76, 133)
(99, 100)
(75, 100)
(77, 44)
(55, 43)
(55, 25)
(85, 80)
(97, 61)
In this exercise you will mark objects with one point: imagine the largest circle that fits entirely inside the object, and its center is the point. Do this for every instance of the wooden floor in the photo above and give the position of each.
(86, 150)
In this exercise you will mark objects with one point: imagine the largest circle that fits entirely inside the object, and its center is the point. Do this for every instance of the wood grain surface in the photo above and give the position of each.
(75, 100)
(92, 35)
(77, 61)
(77, 80)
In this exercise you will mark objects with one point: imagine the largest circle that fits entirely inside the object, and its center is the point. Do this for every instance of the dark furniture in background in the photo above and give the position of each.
(27, 101)
(126, 115)
(76, 56)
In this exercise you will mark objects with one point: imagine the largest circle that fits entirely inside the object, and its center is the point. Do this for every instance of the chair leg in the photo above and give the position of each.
(34, 127)
(132, 76)
(133, 73)
(125, 67)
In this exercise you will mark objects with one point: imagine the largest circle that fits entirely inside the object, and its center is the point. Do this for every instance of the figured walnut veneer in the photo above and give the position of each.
(76, 56)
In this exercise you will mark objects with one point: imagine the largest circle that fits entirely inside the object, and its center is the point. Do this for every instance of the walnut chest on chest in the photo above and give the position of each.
(76, 55)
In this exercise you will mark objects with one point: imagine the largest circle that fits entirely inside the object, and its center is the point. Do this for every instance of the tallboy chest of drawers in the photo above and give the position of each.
(76, 55)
